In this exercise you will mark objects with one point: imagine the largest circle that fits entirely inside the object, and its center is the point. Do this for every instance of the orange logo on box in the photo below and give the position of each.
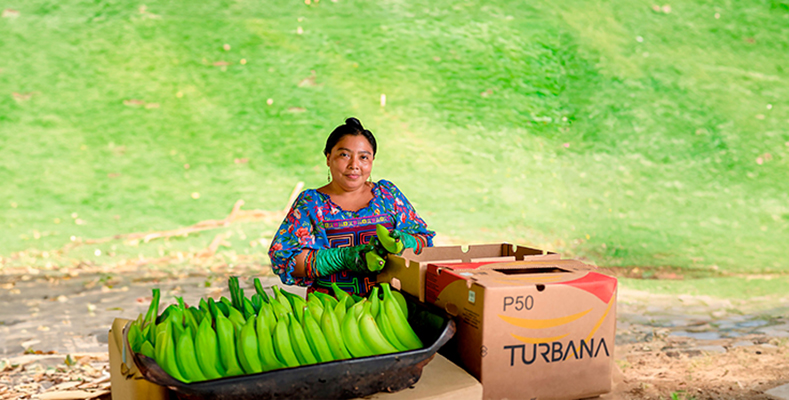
(601, 286)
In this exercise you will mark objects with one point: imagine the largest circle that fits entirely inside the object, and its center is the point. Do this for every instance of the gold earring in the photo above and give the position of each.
(328, 175)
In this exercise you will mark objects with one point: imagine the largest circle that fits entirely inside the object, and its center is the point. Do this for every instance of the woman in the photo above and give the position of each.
(328, 231)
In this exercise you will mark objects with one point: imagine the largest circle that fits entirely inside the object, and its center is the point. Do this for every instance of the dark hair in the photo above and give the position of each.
(353, 127)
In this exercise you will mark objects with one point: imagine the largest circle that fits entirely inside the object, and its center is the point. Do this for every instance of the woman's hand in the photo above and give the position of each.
(395, 241)
(362, 258)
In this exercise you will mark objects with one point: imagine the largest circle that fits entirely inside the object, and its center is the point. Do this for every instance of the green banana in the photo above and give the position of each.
(186, 359)
(268, 358)
(134, 336)
(257, 302)
(391, 244)
(332, 302)
(341, 294)
(149, 333)
(147, 350)
(165, 351)
(225, 333)
(247, 348)
(260, 291)
(331, 330)
(298, 307)
(315, 306)
(223, 308)
(207, 349)
(386, 329)
(280, 297)
(160, 327)
(316, 339)
(299, 342)
(237, 318)
(267, 313)
(373, 337)
(373, 261)
(398, 321)
(352, 337)
(236, 297)
(279, 310)
(153, 308)
(282, 345)
(401, 302)
(140, 321)
(203, 305)
(398, 296)
(227, 302)
(213, 307)
(374, 301)
(196, 314)
(249, 308)
(341, 309)
(166, 313)
(189, 320)
(357, 311)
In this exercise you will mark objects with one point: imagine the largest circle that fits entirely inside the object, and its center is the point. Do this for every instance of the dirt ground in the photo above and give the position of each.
(53, 334)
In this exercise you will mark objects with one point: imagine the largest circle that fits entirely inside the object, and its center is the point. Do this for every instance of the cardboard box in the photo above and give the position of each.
(126, 381)
(407, 271)
(530, 329)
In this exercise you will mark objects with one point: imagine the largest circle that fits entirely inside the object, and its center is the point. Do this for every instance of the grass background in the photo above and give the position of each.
(611, 130)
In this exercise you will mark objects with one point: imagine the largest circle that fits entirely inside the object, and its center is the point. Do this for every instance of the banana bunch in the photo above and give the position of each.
(261, 333)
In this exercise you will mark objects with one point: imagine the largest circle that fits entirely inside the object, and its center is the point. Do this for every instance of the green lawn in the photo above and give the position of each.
(603, 130)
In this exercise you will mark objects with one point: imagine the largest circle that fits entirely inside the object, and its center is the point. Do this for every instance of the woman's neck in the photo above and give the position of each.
(349, 200)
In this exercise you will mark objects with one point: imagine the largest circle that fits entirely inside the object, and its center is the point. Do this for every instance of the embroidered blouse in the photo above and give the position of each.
(315, 222)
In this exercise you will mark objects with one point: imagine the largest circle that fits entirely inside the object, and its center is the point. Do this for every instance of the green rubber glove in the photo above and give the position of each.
(331, 261)
(396, 241)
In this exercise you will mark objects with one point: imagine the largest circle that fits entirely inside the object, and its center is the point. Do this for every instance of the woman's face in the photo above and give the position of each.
(350, 162)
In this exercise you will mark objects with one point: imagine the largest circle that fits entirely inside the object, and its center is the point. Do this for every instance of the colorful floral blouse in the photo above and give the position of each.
(314, 222)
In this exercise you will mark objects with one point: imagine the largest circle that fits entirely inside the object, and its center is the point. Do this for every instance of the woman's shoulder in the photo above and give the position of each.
(308, 197)
(387, 186)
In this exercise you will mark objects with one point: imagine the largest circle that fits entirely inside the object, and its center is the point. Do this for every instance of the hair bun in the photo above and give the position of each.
(354, 123)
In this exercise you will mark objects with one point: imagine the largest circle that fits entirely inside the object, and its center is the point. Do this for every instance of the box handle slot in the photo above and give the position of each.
(521, 271)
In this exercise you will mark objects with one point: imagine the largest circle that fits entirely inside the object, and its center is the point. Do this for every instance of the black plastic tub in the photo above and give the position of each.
(343, 379)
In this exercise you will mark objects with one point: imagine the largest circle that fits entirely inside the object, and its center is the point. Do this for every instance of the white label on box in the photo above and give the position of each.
(472, 297)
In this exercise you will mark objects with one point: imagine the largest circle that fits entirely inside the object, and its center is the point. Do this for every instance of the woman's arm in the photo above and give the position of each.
(298, 268)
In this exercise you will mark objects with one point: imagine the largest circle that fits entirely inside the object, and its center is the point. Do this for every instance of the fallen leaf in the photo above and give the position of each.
(296, 109)
(23, 96)
(486, 93)
(299, 30)
(10, 13)
(750, 40)
(73, 395)
(308, 81)
(226, 47)
(221, 64)
(113, 175)
(241, 160)
(666, 9)
(133, 103)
